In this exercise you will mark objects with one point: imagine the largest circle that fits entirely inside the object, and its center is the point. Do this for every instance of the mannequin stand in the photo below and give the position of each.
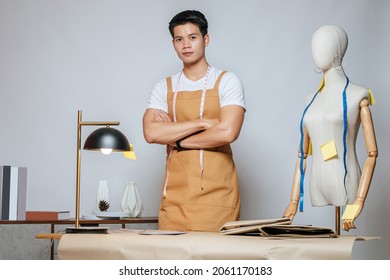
(337, 218)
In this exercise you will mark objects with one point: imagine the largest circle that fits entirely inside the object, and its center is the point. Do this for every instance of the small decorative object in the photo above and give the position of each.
(103, 205)
(131, 201)
(103, 199)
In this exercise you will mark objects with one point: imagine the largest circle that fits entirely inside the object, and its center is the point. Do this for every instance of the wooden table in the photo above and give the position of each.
(127, 244)
(53, 223)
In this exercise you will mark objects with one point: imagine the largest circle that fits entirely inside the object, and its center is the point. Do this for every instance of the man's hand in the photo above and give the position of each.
(161, 116)
(210, 123)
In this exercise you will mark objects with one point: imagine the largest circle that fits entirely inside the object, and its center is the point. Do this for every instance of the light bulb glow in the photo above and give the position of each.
(106, 151)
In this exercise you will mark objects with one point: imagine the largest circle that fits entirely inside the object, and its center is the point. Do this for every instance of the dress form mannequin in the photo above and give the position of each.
(336, 179)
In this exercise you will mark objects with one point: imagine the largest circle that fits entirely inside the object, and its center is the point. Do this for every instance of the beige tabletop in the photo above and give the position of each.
(130, 244)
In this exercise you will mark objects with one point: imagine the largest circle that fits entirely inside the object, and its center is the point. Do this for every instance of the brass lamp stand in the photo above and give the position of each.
(106, 139)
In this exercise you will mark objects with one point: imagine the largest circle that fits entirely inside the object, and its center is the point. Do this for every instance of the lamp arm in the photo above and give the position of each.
(97, 123)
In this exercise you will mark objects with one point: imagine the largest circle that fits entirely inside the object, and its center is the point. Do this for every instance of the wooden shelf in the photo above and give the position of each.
(142, 220)
(53, 235)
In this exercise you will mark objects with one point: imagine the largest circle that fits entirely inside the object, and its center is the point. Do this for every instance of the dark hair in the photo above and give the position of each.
(189, 16)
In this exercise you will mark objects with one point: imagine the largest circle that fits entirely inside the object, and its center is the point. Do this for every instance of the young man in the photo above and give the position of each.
(197, 113)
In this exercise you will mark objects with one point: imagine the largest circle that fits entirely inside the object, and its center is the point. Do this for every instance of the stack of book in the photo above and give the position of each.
(47, 215)
(13, 190)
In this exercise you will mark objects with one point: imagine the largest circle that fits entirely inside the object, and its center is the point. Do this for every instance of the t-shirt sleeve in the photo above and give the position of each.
(158, 97)
(231, 90)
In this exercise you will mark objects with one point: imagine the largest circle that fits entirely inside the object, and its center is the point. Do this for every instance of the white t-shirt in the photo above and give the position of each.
(231, 90)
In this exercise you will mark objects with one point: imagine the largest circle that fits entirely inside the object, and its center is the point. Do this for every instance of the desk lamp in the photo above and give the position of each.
(106, 140)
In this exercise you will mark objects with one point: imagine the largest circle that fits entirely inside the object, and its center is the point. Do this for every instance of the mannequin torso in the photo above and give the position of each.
(324, 122)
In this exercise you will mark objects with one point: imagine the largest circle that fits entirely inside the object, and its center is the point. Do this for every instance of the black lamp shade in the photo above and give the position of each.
(107, 138)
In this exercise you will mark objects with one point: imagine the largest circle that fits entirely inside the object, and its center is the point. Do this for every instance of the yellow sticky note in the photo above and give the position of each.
(350, 212)
(371, 99)
(329, 150)
(130, 154)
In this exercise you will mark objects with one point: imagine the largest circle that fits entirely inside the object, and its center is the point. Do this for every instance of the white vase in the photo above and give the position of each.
(102, 192)
(131, 201)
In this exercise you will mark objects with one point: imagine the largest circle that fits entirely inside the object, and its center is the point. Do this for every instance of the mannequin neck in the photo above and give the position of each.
(335, 76)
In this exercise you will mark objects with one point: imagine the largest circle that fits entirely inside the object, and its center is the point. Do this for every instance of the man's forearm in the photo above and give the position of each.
(167, 133)
(159, 129)
(224, 132)
(213, 137)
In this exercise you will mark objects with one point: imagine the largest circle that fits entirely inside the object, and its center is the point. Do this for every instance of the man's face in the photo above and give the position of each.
(189, 43)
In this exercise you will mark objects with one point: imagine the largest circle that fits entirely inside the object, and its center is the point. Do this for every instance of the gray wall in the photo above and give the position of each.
(104, 57)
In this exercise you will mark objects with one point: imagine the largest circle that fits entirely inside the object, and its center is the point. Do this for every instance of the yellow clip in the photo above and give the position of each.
(310, 151)
(322, 84)
(371, 99)
(130, 154)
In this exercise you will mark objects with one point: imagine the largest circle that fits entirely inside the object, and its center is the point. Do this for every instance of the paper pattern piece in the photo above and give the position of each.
(350, 212)
(296, 231)
(161, 232)
(328, 150)
(276, 228)
(250, 226)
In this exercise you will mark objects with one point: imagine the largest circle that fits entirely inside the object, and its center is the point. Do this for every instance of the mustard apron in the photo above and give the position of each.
(201, 191)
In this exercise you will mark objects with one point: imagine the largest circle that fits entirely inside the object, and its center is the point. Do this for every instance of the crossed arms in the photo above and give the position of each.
(195, 134)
